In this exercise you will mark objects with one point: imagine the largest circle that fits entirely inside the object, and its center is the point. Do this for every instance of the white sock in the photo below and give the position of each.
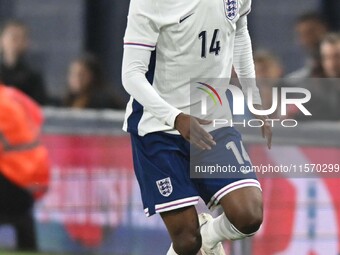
(220, 229)
(171, 251)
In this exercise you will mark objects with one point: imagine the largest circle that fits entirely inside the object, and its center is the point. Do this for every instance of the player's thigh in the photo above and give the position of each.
(162, 170)
(231, 165)
(237, 189)
(183, 226)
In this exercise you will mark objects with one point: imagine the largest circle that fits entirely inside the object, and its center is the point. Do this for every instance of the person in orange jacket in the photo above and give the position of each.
(24, 163)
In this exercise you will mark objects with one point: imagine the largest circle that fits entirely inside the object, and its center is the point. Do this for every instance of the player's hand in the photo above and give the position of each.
(266, 129)
(190, 128)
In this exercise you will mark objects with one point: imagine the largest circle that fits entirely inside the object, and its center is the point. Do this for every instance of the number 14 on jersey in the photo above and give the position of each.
(215, 46)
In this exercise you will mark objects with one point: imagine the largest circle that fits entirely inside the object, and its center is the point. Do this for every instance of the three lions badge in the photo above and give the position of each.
(231, 8)
(165, 186)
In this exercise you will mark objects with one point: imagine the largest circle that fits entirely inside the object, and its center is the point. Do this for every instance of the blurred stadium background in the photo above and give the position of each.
(93, 203)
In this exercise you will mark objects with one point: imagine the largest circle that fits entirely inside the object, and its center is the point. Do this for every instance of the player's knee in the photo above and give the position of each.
(253, 223)
(188, 244)
(250, 220)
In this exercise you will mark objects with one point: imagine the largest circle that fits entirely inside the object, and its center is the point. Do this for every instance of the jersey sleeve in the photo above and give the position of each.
(245, 8)
(135, 65)
(143, 25)
(243, 60)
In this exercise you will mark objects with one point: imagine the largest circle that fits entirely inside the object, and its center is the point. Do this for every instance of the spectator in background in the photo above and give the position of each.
(24, 164)
(86, 86)
(268, 70)
(330, 55)
(325, 101)
(267, 65)
(310, 29)
(328, 91)
(14, 70)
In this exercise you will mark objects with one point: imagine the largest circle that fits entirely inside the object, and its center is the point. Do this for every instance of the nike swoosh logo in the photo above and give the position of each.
(184, 18)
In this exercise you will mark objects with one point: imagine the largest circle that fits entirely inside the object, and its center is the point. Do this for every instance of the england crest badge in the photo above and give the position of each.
(165, 186)
(231, 8)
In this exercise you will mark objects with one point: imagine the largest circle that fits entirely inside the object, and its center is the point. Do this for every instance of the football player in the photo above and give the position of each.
(192, 39)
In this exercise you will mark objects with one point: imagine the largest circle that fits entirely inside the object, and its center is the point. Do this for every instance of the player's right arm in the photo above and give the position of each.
(245, 68)
(144, 23)
(140, 40)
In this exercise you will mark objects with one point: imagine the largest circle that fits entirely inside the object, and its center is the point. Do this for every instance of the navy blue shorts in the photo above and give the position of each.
(162, 167)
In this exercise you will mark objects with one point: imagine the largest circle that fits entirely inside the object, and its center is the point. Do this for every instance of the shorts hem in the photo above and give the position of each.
(146, 211)
(215, 199)
(173, 205)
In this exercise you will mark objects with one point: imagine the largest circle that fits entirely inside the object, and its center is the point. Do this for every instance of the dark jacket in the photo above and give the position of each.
(24, 78)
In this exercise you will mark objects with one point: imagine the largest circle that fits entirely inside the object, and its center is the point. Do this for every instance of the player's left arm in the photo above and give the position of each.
(245, 69)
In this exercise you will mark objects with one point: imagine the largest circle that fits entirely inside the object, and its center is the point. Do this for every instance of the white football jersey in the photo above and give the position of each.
(193, 39)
